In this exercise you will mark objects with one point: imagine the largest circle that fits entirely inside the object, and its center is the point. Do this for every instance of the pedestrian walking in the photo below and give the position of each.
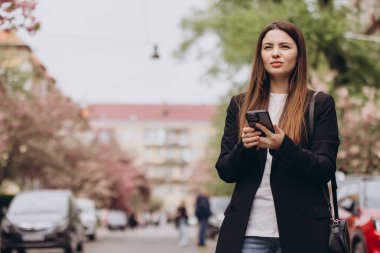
(132, 221)
(278, 203)
(181, 221)
(202, 212)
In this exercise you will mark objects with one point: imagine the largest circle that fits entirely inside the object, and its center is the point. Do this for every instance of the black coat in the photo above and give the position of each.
(297, 176)
(202, 208)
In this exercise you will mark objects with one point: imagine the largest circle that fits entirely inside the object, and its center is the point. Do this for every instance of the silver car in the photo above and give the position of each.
(42, 219)
(88, 217)
(117, 219)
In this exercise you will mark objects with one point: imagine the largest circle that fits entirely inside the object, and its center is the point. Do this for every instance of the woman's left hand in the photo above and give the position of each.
(271, 140)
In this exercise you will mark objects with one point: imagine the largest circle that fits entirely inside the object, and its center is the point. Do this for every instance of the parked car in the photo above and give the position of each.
(359, 202)
(42, 219)
(88, 217)
(117, 220)
(218, 205)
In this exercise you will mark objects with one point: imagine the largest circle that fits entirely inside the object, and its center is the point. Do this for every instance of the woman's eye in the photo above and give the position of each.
(285, 46)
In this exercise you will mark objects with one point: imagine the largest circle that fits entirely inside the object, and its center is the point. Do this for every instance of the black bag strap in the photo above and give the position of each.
(311, 115)
(334, 185)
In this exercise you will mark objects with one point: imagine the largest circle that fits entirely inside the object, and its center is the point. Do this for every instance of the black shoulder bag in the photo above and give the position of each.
(339, 239)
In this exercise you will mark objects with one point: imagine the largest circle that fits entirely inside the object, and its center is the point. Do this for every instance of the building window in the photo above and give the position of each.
(176, 173)
(149, 155)
(162, 190)
(170, 154)
(183, 138)
(125, 135)
(187, 155)
(154, 136)
(177, 137)
(161, 154)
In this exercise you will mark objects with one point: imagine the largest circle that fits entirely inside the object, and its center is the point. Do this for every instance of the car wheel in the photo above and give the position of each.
(92, 237)
(21, 250)
(69, 249)
(80, 247)
(359, 247)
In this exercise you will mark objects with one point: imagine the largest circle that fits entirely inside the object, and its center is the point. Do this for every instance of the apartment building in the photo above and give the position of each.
(165, 141)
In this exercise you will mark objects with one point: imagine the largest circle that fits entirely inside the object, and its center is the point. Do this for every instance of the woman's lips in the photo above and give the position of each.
(276, 64)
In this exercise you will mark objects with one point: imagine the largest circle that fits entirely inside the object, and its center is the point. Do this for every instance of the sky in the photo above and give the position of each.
(100, 51)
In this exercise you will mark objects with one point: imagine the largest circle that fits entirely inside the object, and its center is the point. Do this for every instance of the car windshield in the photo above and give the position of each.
(86, 206)
(372, 199)
(115, 216)
(39, 202)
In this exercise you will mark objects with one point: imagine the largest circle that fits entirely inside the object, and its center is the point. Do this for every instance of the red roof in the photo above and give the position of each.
(158, 112)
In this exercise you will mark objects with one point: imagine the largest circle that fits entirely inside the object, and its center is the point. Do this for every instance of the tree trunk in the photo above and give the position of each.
(325, 3)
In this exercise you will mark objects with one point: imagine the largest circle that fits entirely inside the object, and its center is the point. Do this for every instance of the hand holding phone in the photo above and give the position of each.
(259, 116)
(263, 117)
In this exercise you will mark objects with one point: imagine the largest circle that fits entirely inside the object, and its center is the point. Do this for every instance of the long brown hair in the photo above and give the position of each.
(257, 95)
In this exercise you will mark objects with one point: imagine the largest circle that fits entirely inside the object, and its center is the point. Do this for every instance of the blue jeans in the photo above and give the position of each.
(202, 231)
(255, 244)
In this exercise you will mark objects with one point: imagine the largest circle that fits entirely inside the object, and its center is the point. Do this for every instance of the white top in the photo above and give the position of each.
(262, 221)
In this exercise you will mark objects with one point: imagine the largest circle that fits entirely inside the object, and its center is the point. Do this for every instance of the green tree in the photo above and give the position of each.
(237, 23)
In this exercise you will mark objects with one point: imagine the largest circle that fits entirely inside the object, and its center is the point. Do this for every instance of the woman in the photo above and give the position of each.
(278, 203)
(181, 222)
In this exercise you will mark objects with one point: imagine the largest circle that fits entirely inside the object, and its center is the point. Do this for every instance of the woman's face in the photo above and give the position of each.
(279, 54)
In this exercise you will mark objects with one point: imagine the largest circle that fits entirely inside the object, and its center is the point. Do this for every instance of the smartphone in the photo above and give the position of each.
(259, 116)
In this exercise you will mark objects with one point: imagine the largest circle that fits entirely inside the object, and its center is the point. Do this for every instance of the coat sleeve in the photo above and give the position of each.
(229, 164)
(318, 163)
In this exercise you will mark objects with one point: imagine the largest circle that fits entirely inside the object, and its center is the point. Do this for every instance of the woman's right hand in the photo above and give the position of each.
(250, 137)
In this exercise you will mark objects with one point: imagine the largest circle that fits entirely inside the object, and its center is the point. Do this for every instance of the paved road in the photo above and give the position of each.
(142, 240)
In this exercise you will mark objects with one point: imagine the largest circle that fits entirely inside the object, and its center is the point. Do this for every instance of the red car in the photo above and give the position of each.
(359, 202)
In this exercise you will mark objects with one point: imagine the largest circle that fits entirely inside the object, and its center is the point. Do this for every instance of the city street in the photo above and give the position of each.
(141, 240)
